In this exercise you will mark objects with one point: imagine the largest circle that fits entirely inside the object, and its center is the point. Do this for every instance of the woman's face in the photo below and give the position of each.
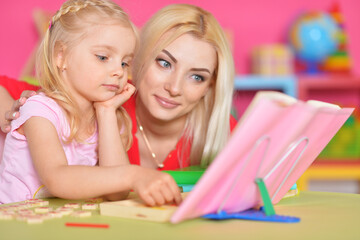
(178, 79)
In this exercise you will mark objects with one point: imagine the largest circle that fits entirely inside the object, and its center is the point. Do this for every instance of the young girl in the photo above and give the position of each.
(52, 148)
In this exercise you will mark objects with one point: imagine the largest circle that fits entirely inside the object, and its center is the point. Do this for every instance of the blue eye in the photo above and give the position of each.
(163, 63)
(102, 58)
(198, 78)
(124, 64)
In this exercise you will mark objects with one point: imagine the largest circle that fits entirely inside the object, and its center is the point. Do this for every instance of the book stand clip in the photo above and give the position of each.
(267, 212)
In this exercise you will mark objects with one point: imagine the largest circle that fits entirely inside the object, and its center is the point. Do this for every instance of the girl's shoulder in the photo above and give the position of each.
(44, 106)
(40, 106)
(42, 99)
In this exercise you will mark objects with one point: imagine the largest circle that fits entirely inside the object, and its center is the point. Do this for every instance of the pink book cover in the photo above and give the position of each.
(324, 125)
(229, 182)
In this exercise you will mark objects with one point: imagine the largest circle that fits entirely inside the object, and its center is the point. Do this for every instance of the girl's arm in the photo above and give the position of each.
(79, 182)
(111, 147)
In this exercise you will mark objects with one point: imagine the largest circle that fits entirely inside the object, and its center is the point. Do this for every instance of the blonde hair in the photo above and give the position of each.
(67, 27)
(211, 115)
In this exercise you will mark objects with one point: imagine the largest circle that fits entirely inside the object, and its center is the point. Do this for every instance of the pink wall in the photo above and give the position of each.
(253, 22)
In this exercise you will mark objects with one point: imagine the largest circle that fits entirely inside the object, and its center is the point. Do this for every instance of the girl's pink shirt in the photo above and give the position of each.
(18, 178)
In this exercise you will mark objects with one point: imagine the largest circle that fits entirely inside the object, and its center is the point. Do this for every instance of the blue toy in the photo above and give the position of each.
(314, 36)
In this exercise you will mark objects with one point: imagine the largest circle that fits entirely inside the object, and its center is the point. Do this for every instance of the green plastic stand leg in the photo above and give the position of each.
(268, 206)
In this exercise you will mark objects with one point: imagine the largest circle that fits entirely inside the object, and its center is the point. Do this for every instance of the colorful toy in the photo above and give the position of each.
(313, 37)
(272, 60)
(187, 176)
(339, 61)
(345, 144)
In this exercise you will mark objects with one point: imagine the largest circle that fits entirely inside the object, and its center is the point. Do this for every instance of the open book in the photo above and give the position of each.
(277, 139)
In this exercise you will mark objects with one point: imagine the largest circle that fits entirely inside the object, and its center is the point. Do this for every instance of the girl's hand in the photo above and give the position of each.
(118, 100)
(14, 112)
(155, 187)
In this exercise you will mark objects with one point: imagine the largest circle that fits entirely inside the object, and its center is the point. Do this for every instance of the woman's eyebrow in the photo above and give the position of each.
(170, 56)
(201, 70)
(193, 69)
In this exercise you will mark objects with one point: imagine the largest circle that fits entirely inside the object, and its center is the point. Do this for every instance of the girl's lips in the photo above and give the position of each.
(112, 87)
(166, 103)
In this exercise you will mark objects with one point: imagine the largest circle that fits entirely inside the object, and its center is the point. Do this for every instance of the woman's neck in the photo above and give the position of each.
(157, 128)
(157, 138)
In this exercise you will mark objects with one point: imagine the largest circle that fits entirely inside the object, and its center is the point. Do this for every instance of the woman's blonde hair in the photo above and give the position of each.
(67, 27)
(211, 115)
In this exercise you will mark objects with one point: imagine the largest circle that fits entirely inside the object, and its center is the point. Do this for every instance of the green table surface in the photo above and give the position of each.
(323, 216)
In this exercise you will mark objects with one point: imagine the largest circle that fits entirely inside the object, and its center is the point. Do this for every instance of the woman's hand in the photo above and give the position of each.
(118, 100)
(14, 112)
(155, 187)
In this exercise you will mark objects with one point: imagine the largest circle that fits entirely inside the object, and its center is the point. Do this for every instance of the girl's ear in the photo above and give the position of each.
(60, 55)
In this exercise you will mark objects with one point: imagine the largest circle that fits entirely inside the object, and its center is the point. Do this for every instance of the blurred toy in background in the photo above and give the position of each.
(272, 60)
(345, 144)
(41, 19)
(339, 61)
(314, 37)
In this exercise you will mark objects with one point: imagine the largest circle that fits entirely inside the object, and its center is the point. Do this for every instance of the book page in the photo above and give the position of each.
(320, 104)
(279, 97)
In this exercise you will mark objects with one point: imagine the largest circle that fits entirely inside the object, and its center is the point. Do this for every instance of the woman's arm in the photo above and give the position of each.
(9, 108)
(6, 101)
(79, 182)
(11, 89)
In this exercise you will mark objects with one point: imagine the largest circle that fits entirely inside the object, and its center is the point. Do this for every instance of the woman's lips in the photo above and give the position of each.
(166, 103)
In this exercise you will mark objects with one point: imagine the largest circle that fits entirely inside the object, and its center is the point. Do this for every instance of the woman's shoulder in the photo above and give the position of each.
(16, 87)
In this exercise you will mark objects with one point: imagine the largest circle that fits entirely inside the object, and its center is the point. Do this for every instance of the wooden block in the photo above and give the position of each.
(136, 209)
(81, 214)
(73, 205)
(55, 214)
(43, 209)
(6, 216)
(65, 210)
(89, 206)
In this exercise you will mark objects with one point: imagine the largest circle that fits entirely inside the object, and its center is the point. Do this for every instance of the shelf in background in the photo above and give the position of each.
(330, 170)
(247, 85)
(286, 84)
(310, 85)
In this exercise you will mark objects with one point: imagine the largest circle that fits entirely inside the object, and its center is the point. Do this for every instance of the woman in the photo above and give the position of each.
(184, 74)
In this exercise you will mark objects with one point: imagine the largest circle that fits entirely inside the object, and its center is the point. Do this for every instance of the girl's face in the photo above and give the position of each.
(97, 67)
(178, 79)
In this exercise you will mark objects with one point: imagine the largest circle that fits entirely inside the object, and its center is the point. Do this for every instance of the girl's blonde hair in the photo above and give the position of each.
(67, 27)
(208, 124)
